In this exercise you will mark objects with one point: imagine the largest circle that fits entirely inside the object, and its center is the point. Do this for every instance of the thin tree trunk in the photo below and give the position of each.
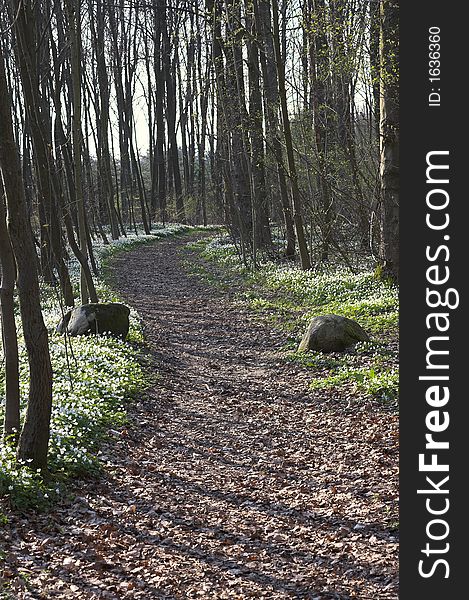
(298, 219)
(263, 18)
(75, 35)
(37, 110)
(389, 136)
(34, 438)
(104, 159)
(11, 425)
(160, 167)
(122, 115)
(375, 62)
(319, 66)
(262, 236)
(170, 79)
(236, 118)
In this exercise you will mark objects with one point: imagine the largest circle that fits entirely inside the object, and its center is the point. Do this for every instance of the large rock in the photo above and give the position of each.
(332, 333)
(112, 318)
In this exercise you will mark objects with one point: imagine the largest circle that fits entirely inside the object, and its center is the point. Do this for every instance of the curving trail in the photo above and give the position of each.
(232, 480)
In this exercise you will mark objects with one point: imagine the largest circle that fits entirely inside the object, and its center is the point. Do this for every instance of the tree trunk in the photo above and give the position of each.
(104, 159)
(37, 110)
(160, 167)
(271, 100)
(122, 115)
(261, 235)
(73, 8)
(11, 425)
(170, 80)
(236, 119)
(34, 438)
(319, 66)
(298, 219)
(375, 62)
(389, 137)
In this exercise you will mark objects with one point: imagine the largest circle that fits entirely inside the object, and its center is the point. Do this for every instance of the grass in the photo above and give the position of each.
(369, 369)
(289, 298)
(94, 378)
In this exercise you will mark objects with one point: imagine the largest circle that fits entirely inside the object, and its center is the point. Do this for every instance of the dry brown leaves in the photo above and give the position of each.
(232, 481)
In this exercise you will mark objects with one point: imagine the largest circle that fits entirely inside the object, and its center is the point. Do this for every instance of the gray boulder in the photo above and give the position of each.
(332, 333)
(112, 318)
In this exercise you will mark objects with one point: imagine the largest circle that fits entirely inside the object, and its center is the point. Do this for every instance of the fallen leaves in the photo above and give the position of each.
(231, 481)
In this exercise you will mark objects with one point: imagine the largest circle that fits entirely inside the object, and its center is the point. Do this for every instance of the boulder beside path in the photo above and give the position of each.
(97, 318)
(332, 333)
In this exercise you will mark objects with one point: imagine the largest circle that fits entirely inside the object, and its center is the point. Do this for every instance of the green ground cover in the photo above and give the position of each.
(290, 297)
(94, 378)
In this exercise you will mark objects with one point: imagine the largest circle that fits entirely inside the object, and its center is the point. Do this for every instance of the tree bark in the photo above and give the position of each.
(170, 81)
(319, 66)
(263, 19)
(160, 166)
(261, 235)
(236, 120)
(34, 438)
(389, 137)
(298, 219)
(73, 8)
(104, 159)
(11, 425)
(37, 111)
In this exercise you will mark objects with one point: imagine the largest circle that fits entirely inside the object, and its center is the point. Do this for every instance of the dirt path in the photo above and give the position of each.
(232, 481)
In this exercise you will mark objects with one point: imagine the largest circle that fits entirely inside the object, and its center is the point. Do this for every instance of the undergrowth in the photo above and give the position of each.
(290, 297)
(94, 378)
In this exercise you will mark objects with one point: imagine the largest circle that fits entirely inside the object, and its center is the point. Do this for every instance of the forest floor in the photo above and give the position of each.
(231, 480)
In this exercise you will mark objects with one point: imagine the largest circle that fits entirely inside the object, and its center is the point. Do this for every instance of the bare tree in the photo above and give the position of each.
(38, 114)
(11, 425)
(263, 18)
(297, 217)
(389, 137)
(34, 438)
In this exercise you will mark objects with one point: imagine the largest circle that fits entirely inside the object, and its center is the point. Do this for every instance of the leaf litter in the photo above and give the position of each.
(231, 480)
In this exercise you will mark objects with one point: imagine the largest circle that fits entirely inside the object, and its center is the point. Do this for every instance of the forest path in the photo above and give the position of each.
(232, 480)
